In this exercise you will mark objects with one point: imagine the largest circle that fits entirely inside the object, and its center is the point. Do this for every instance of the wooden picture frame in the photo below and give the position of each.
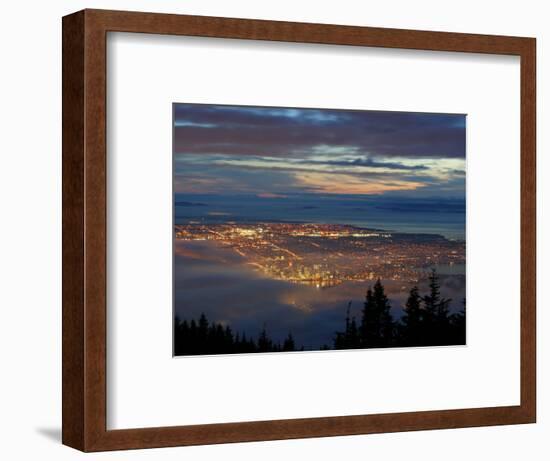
(85, 220)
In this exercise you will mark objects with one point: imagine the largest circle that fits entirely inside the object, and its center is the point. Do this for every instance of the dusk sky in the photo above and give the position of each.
(279, 152)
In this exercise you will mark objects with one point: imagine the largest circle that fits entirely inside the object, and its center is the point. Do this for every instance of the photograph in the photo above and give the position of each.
(300, 229)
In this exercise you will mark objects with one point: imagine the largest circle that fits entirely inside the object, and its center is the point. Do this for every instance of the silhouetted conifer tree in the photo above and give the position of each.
(288, 344)
(178, 338)
(458, 325)
(264, 343)
(412, 331)
(436, 313)
(377, 326)
(350, 338)
(369, 325)
(353, 339)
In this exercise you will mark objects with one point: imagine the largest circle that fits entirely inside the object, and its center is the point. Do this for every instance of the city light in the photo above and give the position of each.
(325, 255)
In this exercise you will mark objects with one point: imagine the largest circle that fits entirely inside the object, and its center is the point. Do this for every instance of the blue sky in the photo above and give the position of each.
(280, 152)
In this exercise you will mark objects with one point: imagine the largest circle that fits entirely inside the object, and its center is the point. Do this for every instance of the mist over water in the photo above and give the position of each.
(213, 279)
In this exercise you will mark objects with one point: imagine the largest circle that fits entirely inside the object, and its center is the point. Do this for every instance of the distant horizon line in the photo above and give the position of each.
(283, 195)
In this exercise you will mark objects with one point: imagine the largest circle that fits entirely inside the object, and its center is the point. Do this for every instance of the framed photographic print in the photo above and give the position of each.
(279, 230)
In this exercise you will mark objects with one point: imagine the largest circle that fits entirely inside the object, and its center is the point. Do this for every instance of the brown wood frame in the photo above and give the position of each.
(84, 229)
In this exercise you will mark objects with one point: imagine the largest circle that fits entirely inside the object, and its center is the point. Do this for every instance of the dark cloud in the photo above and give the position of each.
(294, 132)
(369, 162)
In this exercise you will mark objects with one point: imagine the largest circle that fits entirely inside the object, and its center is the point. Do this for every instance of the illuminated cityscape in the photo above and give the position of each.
(325, 255)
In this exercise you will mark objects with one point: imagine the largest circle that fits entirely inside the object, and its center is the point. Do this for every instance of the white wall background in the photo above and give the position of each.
(30, 229)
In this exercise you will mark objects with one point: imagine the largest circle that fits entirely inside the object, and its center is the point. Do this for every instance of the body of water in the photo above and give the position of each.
(443, 217)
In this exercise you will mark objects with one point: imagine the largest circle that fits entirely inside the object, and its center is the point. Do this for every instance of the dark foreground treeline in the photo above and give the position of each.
(204, 337)
(426, 321)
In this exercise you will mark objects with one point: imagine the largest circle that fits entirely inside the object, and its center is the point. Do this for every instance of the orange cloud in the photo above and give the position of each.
(333, 183)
